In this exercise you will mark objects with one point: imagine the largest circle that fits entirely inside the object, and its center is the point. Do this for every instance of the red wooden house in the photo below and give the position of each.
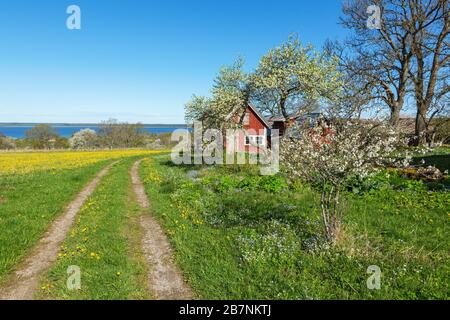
(255, 131)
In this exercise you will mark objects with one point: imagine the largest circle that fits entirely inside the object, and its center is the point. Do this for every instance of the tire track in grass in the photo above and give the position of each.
(25, 280)
(29, 204)
(164, 278)
(104, 243)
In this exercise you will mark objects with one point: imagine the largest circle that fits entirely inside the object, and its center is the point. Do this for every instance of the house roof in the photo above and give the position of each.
(276, 118)
(272, 119)
(255, 111)
(302, 113)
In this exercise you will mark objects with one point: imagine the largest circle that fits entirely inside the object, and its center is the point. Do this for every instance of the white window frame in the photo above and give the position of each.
(254, 139)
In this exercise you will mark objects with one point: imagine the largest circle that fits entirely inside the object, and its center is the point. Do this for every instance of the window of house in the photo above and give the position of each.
(254, 140)
(259, 140)
(246, 120)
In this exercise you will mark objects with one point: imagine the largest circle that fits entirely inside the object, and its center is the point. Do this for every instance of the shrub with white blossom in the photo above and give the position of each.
(328, 156)
(84, 139)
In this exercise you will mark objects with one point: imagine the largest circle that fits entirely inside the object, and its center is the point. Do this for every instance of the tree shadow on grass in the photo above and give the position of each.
(442, 162)
(253, 209)
(182, 166)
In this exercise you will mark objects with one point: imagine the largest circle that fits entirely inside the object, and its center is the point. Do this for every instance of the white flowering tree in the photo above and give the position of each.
(290, 76)
(328, 156)
(230, 94)
(84, 139)
(213, 116)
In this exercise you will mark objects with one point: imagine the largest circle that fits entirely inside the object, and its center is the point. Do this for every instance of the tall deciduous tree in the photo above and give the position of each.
(380, 57)
(409, 52)
(429, 25)
(42, 136)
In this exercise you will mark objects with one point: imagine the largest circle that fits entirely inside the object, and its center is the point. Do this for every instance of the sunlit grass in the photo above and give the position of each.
(35, 187)
(28, 205)
(237, 243)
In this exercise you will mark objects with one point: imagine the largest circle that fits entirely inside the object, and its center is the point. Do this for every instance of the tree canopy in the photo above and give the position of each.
(290, 76)
(289, 79)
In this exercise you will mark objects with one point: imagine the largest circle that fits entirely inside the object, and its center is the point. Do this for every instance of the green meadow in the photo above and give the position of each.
(238, 235)
(235, 234)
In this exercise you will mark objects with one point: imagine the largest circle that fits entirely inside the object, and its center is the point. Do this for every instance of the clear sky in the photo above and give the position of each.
(138, 61)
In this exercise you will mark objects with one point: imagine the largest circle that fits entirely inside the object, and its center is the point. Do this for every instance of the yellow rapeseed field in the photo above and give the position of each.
(25, 162)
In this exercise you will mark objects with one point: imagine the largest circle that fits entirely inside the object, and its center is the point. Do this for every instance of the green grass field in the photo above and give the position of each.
(29, 203)
(241, 236)
(235, 234)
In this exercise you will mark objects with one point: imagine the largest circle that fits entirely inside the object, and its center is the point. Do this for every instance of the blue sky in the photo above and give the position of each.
(138, 61)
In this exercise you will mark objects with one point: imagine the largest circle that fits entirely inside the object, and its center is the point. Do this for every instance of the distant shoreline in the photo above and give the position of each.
(19, 130)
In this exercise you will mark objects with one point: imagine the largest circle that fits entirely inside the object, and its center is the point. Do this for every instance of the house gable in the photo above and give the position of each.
(254, 130)
(255, 120)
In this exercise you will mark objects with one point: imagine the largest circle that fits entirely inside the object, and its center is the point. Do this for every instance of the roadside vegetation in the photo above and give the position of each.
(238, 235)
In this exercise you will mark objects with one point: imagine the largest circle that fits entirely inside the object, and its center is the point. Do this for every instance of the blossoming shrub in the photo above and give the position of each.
(84, 139)
(327, 157)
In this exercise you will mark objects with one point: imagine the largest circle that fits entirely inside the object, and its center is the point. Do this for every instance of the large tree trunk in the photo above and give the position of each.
(395, 114)
(429, 48)
(421, 125)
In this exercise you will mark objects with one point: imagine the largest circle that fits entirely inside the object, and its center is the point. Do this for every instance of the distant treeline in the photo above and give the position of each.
(111, 134)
